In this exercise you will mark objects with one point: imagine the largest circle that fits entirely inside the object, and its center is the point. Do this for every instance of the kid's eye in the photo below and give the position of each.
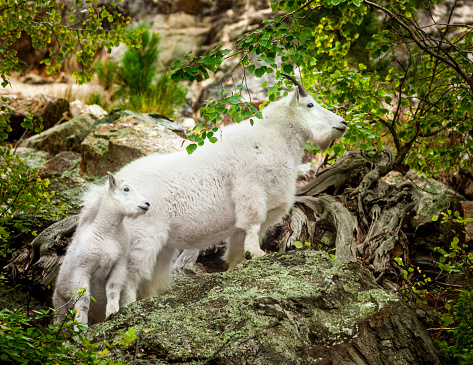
(126, 189)
(310, 105)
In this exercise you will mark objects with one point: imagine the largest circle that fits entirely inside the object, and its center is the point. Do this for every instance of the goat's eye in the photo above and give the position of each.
(310, 105)
(126, 189)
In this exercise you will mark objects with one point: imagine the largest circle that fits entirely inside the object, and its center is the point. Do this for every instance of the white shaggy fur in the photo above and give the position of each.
(234, 189)
(97, 257)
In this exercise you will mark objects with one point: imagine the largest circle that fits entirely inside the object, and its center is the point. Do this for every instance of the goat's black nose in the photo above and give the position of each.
(343, 122)
(147, 204)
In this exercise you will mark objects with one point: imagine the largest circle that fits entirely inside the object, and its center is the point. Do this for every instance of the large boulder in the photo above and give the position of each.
(52, 110)
(300, 307)
(67, 136)
(110, 146)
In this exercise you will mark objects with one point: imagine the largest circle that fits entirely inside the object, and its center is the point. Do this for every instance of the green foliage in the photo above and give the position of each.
(460, 351)
(138, 66)
(22, 191)
(419, 102)
(88, 27)
(163, 97)
(106, 72)
(23, 341)
(99, 99)
(458, 258)
(139, 90)
(33, 340)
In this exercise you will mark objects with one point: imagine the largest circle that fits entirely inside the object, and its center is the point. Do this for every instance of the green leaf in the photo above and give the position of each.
(399, 261)
(259, 72)
(191, 148)
(287, 68)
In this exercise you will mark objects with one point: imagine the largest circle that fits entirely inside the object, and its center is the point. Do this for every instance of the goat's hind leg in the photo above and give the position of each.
(162, 275)
(235, 252)
(141, 262)
(81, 288)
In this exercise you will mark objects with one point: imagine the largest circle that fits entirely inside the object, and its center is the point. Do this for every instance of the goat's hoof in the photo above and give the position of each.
(111, 316)
(253, 255)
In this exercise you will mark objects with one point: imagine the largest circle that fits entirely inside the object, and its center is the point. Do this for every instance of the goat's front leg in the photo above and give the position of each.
(252, 246)
(250, 213)
(114, 286)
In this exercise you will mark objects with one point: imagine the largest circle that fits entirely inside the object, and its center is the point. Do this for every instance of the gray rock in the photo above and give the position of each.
(64, 137)
(125, 137)
(301, 307)
(50, 109)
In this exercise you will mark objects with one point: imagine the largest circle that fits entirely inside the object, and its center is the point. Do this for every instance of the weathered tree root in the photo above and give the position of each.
(43, 256)
(367, 226)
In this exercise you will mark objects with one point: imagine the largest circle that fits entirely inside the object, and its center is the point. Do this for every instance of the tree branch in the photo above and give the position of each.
(446, 59)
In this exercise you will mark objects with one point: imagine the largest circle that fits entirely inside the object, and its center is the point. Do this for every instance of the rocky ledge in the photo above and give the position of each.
(301, 307)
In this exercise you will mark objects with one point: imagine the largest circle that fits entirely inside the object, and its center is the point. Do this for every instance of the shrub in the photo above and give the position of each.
(26, 340)
(138, 88)
(106, 72)
(137, 68)
(459, 350)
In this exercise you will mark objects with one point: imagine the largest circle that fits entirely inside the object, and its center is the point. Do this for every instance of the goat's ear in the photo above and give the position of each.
(111, 181)
(295, 97)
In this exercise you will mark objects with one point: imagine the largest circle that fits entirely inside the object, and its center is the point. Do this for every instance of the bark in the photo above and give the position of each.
(43, 256)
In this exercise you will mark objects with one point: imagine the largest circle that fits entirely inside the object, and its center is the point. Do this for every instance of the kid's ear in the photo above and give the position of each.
(111, 181)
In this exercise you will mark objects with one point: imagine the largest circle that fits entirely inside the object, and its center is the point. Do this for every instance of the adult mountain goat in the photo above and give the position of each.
(234, 189)
(96, 260)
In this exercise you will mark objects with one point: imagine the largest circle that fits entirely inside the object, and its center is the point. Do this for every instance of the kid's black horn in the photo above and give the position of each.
(302, 92)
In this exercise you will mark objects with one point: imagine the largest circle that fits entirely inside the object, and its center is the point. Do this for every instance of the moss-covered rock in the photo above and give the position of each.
(293, 308)
(112, 145)
(62, 137)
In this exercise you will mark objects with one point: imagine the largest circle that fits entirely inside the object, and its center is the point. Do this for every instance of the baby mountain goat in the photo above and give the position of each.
(97, 257)
(232, 190)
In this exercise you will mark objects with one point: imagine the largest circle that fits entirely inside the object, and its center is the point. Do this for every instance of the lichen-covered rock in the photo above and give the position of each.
(60, 163)
(110, 146)
(301, 307)
(63, 137)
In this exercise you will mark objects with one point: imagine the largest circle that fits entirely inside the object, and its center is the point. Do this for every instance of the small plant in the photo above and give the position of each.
(99, 99)
(23, 341)
(106, 72)
(164, 98)
(137, 68)
(458, 258)
(138, 88)
(300, 245)
(460, 349)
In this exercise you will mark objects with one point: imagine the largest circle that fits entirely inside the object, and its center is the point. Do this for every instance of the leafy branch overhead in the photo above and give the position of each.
(79, 29)
(400, 75)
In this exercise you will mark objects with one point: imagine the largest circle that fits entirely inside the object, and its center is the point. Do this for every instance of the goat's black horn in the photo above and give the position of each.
(302, 92)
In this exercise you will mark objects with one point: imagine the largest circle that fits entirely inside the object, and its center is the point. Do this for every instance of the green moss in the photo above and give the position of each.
(281, 302)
